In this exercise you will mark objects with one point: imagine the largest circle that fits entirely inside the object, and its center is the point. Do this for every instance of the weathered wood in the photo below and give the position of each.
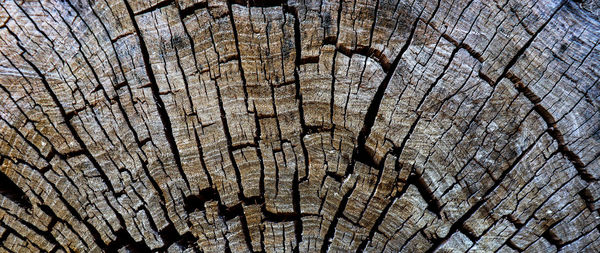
(300, 126)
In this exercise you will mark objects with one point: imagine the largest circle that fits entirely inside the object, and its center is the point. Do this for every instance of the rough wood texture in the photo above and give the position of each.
(300, 125)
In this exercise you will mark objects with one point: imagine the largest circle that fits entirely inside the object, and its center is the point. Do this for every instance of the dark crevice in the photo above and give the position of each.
(361, 154)
(196, 202)
(437, 80)
(159, 191)
(459, 223)
(468, 233)
(360, 151)
(280, 217)
(317, 129)
(8, 230)
(169, 236)
(398, 150)
(182, 14)
(122, 84)
(552, 239)
(188, 11)
(522, 50)
(308, 59)
(95, 234)
(513, 246)
(433, 204)
(239, 54)
(514, 221)
(486, 78)
(227, 134)
(298, 227)
(588, 197)
(335, 176)
(365, 51)
(99, 86)
(259, 3)
(63, 113)
(124, 240)
(462, 45)
(261, 182)
(12, 191)
(160, 105)
(201, 155)
(191, 104)
(381, 216)
(154, 7)
(237, 209)
(186, 242)
(339, 213)
(228, 213)
(244, 145)
(47, 234)
(376, 186)
(333, 59)
(553, 130)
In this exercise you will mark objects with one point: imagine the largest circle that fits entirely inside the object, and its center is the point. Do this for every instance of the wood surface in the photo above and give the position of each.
(300, 126)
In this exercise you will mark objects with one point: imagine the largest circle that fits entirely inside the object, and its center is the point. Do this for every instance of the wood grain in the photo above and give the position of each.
(300, 126)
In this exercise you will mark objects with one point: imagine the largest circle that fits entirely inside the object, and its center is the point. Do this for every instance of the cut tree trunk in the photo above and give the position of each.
(300, 126)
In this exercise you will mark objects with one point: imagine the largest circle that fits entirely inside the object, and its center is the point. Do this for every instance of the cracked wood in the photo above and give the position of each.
(300, 126)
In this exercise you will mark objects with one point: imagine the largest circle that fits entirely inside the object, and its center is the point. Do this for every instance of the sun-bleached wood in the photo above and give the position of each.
(300, 126)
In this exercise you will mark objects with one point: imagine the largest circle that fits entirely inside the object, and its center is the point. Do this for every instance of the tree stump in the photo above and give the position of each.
(300, 126)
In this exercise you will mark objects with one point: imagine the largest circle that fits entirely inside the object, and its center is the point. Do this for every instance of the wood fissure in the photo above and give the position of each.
(299, 126)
